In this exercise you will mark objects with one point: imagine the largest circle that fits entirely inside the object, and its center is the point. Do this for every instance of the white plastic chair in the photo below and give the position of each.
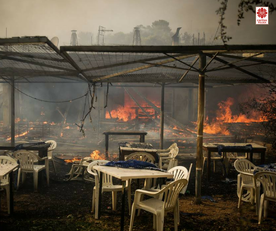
(245, 181)
(107, 186)
(160, 204)
(268, 182)
(5, 181)
(80, 169)
(167, 159)
(53, 145)
(28, 164)
(215, 157)
(187, 177)
(173, 145)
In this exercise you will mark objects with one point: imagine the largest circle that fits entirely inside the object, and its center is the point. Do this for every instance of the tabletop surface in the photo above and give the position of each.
(129, 173)
(125, 133)
(214, 145)
(6, 168)
(29, 146)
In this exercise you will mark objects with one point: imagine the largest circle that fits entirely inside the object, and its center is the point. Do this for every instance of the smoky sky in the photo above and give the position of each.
(58, 17)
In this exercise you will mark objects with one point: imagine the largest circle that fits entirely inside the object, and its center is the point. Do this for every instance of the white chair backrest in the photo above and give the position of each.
(174, 152)
(95, 163)
(107, 179)
(6, 160)
(173, 145)
(244, 166)
(27, 159)
(179, 172)
(268, 181)
(171, 193)
(53, 144)
(142, 156)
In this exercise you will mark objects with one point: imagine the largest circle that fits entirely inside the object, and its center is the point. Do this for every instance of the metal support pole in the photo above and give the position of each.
(162, 116)
(12, 113)
(200, 121)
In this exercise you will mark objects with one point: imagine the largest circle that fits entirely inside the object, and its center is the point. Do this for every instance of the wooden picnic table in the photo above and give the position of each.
(232, 147)
(142, 135)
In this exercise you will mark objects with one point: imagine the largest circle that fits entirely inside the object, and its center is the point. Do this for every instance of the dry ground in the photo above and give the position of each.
(65, 205)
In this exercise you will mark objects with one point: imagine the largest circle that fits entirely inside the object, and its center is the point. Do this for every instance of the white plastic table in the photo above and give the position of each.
(4, 170)
(125, 174)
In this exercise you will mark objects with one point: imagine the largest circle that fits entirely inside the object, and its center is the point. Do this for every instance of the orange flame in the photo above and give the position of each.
(224, 115)
(75, 159)
(19, 135)
(95, 155)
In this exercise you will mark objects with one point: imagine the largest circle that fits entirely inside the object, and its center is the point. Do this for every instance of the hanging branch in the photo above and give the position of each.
(221, 12)
(106, 97)
(92, 96)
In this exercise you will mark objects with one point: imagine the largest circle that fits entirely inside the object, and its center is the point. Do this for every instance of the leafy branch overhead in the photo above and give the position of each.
(244, 6)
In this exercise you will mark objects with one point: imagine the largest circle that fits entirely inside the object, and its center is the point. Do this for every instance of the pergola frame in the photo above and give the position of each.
(161, 57)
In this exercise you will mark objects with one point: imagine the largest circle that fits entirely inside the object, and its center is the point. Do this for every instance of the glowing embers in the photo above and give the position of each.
(20, 135)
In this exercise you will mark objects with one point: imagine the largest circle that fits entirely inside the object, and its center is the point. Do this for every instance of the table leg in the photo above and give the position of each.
(208, 165)
(142, 138)
(123, 205)
(11, 192)
(100, 195)
(262, 157)
(106, 145)
(251, 157)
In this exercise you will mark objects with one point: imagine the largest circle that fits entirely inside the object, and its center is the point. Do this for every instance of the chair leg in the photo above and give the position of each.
(266, 202)
(160, 221)
(141, 198)
(176, 218)
(47, 173)
(154, 221)
(96, 203)
(240, 197)
(261, 209)
(129, 198)
(133, 211)
(214, 166)
(93, 201)
(35, 175)
(178, 214)
(258, 189)
(114, 200)
(7, 188)
(18, 177)
(23, 177)
(54, 166)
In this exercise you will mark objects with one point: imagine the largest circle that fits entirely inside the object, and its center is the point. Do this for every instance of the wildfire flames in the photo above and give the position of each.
(96, 155)
(131, 111)
(224, 115)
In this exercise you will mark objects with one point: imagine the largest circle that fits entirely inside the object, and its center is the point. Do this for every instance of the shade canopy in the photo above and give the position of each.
(37, 59)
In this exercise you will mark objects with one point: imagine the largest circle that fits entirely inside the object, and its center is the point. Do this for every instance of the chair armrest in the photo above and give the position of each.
(247, 174)
(92, 173)
(162, 153)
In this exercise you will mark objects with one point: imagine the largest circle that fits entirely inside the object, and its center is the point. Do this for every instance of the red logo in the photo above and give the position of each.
(262, 13)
